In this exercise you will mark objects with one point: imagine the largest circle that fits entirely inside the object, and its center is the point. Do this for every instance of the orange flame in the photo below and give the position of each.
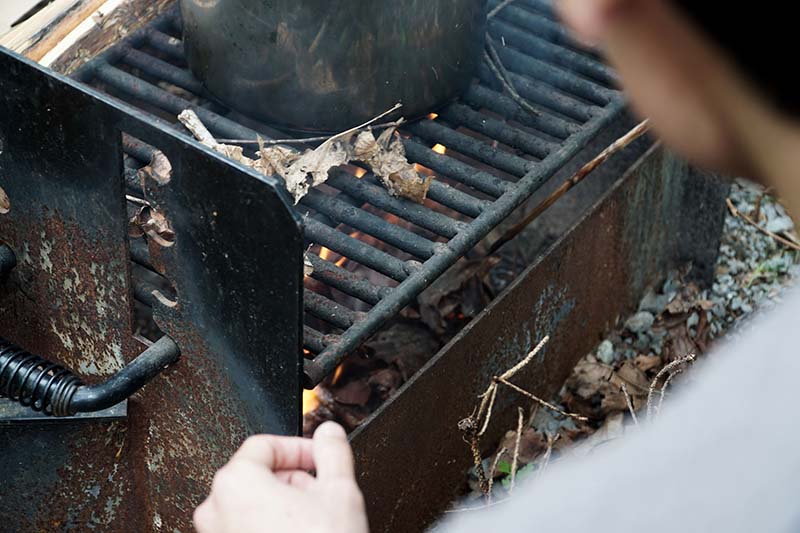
(360, 172)
(433, 116)
(310, 400)
(439, 149)
(337, 374)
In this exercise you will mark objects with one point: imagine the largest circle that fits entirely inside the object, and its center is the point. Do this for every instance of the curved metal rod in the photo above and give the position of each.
(35, 382)
(127, 381)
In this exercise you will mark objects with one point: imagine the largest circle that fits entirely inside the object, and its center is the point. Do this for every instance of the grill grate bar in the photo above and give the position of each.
(328, 310)
(168, 45)
(365, 190)
(554, 76)
(539, 93)
(541, 26)
(162, 70)
(356, 250)
(479, 96)
(552, 53)
(313, 340)
(435, 131)
(453, 168)
(347, 282)
(370, 224)
(497, 129)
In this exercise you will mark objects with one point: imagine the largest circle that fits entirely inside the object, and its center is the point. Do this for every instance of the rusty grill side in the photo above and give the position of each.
(497, 156)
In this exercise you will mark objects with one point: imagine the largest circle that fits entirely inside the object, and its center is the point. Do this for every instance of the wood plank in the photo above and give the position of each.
(67, 33)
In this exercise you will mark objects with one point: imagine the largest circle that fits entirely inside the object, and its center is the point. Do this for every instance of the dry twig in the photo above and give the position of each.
(497, 9)
(630, 404)
(492, 472)
(495, 64)
(551, 440)
(535, 398)
(515, 457)
(786, 242)
(664, 388)
(664, 371)
(640, 129)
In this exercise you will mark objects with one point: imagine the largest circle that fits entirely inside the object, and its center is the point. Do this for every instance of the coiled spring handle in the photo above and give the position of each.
(34, 382)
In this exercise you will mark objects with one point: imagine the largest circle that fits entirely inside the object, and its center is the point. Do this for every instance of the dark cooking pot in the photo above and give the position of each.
(332, 64)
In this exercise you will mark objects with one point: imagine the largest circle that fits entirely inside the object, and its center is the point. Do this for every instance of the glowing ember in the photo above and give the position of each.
(433, 116)
(326, 254)
(310, 400)
(360, 172)
(336, 375)
(439, 149)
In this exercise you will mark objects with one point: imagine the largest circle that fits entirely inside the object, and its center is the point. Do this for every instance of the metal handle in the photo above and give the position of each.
(47, 387)
(35, 382)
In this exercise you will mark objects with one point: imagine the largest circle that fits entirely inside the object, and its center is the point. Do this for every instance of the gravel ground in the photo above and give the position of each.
(673, 320)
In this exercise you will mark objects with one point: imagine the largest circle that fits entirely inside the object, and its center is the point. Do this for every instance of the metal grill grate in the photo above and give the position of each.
(497, 156)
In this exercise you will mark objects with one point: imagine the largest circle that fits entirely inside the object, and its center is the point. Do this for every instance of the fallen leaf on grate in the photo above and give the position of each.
(387, 159)
(302, 171)
(159, 169)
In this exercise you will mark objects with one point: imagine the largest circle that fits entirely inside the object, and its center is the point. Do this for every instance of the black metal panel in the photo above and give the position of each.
(235, 267)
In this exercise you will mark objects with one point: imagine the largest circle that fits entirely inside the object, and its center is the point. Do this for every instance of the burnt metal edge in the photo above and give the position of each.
(411, 459)
(241, 368)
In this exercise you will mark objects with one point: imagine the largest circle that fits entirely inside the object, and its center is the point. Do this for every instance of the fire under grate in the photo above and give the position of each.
(487, 153)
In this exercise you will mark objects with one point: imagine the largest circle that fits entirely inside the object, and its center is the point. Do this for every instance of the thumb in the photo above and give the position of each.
(333, 457)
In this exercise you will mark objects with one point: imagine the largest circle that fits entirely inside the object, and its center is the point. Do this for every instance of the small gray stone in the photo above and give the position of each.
(640, 322)
(605, 352)
(654, 303)
(693, 320)
(779, 224)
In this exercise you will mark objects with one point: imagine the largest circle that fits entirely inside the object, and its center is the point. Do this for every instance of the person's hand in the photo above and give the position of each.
(266, 487)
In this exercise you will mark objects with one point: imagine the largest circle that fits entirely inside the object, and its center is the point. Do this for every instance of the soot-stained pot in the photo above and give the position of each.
(328, 65)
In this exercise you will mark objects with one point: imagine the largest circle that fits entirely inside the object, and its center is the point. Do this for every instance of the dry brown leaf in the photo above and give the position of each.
(647, 362)
(159, 169)
(302, 171)
(311, 168)
(387, 159)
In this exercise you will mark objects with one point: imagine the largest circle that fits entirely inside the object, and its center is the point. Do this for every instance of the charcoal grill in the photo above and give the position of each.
(572, 89)
(226, 282)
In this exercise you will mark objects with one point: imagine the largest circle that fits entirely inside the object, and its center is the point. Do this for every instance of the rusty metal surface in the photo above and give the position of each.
(236, 258)
(411, 458)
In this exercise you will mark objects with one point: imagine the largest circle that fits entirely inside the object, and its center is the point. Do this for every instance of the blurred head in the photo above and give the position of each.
(705, 74)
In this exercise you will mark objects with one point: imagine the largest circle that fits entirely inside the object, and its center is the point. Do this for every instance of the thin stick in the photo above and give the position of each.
(540, 401)
(666, 370)
(135, 200)
(547, 454)
(328, 138)
(502, 5)
(508, 374)
(492, 472)
(492, 396)
(576, 178)
(515, 458)
(735, 212)
(496, 66)
(267, 142)
(664, 388)
(630, 404)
